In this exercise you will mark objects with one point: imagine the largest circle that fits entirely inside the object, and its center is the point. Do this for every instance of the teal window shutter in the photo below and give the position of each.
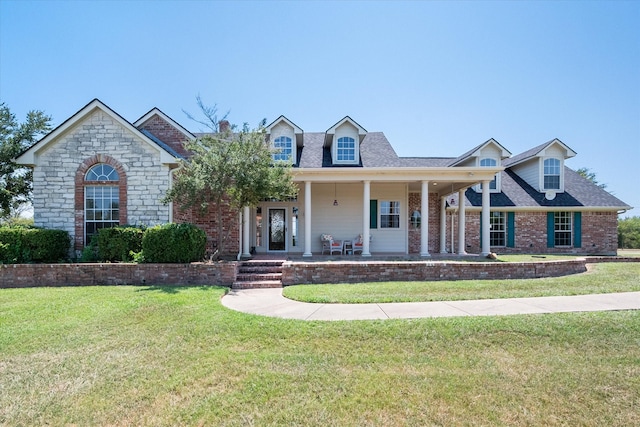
(551, 229)
(577, 230)
(373, 214)
(511, 229)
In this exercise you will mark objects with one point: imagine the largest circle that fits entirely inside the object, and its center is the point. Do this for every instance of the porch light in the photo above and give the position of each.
(335, 198)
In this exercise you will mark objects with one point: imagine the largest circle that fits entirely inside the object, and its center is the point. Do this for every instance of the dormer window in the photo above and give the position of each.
(285, 139)
(346, 149)
(551, 174)
(493, 185)
(283, 147)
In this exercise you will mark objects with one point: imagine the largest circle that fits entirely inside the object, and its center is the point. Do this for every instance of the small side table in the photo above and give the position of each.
(348, 247)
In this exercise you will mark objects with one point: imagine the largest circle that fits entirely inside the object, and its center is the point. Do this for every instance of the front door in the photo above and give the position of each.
(277, 229)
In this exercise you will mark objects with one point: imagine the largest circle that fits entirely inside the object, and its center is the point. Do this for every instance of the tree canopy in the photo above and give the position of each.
(591, 176)
(229, 169)
(15, 180)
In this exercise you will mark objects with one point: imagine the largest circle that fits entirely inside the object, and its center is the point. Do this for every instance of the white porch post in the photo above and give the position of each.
(461, 223)
(486, 226)
(366, 213)
(246, 222)
(239, 256)
(424, 226)
(307, 219)
(443, 225)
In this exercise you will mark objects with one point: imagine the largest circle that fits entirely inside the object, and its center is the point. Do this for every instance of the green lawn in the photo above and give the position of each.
(175, 356)
(602, 278)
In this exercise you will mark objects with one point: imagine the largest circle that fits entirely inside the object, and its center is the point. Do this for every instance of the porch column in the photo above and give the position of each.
(246, 222)
(240, 228)
(486, 226)
(424, 227)
(443, 225)
(366, 213)
(307, 219)
(461, 223)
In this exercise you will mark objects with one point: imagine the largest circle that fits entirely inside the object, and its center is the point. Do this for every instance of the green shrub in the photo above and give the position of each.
(173, 243)
(117, 243)
(24, 245)
(629, 233)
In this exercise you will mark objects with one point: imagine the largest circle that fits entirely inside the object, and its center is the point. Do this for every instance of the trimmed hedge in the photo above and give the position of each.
(174, 243)
(117, 243)
(25, 245)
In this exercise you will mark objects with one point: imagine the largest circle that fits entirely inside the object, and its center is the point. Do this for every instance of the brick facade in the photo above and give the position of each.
(166, 133)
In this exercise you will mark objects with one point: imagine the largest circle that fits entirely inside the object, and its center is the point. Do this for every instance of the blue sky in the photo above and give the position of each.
(438, 78)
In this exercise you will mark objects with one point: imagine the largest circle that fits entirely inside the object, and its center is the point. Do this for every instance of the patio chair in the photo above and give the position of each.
(357, 243)
(336, 246)
(326, 243)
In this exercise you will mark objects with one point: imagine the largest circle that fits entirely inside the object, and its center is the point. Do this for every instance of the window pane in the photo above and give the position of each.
(101, 172)
(563, 228)
(389, 214)
(497, 235)
(101, 209)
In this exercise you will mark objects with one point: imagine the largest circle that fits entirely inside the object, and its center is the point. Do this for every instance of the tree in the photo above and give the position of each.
(229, 170)
(629, 233)
(591, 176)
(16, 180)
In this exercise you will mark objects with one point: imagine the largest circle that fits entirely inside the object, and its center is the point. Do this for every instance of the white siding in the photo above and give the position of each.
(530, 172)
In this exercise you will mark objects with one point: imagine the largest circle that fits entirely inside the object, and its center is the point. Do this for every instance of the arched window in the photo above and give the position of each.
(101, 199)
(283, 149)
(488, 162)
(346, 149)
(551, 174)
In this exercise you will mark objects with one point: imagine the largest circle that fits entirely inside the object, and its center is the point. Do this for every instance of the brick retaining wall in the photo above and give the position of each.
(29, 275)
(224, 273)
(379, 271)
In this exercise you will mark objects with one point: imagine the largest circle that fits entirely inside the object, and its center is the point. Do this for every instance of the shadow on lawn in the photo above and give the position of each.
(175, 289)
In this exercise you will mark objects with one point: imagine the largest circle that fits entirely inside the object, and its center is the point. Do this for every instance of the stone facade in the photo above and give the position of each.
(55, 183)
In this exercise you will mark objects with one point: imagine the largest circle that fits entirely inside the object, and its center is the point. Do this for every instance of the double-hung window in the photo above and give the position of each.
(497, 235)
(389, 214)
(562, 228)
(551, 174)
(346, 151)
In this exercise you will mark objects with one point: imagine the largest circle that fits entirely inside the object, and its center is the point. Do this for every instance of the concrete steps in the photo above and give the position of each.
(259, 274)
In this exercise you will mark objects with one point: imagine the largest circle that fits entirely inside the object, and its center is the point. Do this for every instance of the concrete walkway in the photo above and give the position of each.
(270, 302)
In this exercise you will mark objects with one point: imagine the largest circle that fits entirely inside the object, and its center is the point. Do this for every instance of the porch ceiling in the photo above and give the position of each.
(442, 181)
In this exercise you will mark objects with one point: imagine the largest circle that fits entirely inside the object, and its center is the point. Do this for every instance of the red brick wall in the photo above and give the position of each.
(166, 133)
(381, 271)
(29, 275)
(415, 200)
(599, 234)
(208, 222)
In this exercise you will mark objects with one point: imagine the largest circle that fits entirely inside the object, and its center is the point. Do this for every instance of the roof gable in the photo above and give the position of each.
(328, 139)
(157, 112)
(476, 151)
(28, 157)
(540, 151)
(297, 131)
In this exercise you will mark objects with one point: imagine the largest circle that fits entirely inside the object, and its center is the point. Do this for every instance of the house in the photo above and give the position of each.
(99, 170)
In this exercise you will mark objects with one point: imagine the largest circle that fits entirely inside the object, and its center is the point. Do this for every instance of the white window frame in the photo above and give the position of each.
(498, 225)
(495, 185)
(346, 149)
(390, 210)
(563, 225)
(545, 174)
(284, 150)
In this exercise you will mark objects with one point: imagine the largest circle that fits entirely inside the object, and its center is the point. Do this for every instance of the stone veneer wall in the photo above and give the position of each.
(32, 275)
(54, 179)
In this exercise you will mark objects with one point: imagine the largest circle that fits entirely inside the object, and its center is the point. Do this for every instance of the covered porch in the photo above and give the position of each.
(394, 213)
